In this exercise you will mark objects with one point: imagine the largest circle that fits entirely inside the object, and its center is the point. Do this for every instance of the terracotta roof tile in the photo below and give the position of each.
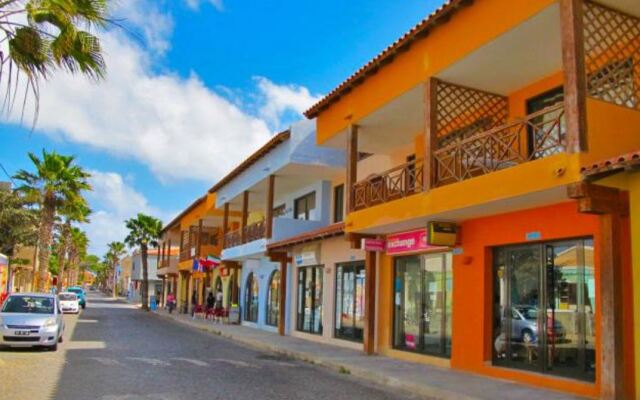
(604, 167)
(419, 31)
(316, 234)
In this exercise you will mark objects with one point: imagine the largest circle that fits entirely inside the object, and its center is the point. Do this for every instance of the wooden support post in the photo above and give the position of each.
(167, 253)
(369, 302)
(282, 300)
(610, 204)
(575, 86)
(245, 215)
(199, 239)
(352, 166)
(181, 244)
(225, 225)
(430, 132)
(269, 213)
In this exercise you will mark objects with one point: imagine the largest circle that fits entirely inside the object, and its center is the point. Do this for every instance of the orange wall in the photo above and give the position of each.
(473, 292)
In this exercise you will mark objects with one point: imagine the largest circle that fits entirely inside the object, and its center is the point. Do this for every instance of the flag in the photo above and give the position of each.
(196, 265)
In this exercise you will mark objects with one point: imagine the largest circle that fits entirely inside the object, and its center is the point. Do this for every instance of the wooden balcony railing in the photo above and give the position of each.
(185, 254)
(538, 135)
(401, 181)
(255, 231)
(232, 239)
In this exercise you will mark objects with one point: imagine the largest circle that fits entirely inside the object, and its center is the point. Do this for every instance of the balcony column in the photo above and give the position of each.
(181, 245)
(158, 258)
(575, 85)
(245, 215)
(167, 253)
(269, 213)
(611, 205)
(352, 165)
(225, 225)
(369, 302)
(199, 239)
(430, 131)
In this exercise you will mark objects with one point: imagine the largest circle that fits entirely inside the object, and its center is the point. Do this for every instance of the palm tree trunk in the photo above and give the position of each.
(145, 278)
(62, 252)
(45, 234)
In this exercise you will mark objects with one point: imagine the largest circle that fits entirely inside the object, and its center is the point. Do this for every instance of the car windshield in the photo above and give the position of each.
(68, 297)
(529, 313)
(29, 305)
(75, 290)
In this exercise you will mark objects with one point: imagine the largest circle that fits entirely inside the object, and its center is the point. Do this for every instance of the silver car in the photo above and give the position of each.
(31, 319)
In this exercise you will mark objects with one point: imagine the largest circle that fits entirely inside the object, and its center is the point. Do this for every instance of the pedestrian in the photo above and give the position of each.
(194, 303)
(218, 310)
(171, 302)
(210, 301)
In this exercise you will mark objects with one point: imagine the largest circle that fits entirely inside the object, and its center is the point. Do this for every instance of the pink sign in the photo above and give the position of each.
(373, 244)
(411, 241)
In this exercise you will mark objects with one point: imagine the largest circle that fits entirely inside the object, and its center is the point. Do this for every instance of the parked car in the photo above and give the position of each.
(69, 302)
(31, 319)
(524, 325)
(81, 295)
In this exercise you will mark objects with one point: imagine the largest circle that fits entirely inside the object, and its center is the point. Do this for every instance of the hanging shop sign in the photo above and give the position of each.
(408, 242)
(442, 233)
(374, 244)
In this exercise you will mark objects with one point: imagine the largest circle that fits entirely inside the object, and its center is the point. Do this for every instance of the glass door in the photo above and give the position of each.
(350, 301)
(544, 308)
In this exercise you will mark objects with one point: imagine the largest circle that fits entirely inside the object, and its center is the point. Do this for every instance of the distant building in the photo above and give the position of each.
(155, 284)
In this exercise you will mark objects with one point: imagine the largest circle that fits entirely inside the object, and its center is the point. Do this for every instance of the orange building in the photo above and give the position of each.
(485, 121)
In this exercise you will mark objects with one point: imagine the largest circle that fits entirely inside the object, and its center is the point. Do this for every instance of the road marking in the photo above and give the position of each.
(87, 321)
(105, 361)
(151, 361)
(86, 345)
(236, 363)
(199, 363)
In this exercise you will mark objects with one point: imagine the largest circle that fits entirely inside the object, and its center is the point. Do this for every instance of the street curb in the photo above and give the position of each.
(428, 392)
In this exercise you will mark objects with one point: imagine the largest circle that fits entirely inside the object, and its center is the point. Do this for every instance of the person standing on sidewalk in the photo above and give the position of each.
(194, 303)
(171, 302)
(218, 310)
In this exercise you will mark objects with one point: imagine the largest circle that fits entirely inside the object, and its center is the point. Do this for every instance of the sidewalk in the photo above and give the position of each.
(429, 381)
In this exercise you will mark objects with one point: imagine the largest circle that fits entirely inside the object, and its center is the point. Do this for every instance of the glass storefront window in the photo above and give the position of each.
(251, 299)
(423, 289)
(549, 285)
(350, 301)
(273, 299)
(309, 310)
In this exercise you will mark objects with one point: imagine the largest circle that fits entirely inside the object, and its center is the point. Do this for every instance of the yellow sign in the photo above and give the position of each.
(442, 233)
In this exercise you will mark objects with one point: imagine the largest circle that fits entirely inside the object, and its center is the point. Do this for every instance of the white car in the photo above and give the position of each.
(31, 319)
(69, 302)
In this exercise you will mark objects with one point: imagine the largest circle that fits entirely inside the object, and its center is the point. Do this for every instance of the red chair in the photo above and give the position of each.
(198, 309)
(210, 313)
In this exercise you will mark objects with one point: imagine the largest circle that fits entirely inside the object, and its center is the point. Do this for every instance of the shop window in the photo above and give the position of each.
(304, 207)
(338, 203)
(273, 299)
(309, 308)
(549, 285)
(251, 299)
(350, 301)
(423, 288)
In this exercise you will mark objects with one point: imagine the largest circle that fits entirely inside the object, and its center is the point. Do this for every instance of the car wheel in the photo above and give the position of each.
(527, 336)
(83, 306)
(53, 347)
(61, 338)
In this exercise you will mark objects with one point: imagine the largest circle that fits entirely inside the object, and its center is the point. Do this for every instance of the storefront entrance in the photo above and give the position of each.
(350, 301)
(423, 288)
(549, 285)
(310, 286)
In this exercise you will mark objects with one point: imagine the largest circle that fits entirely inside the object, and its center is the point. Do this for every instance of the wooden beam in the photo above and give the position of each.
(575, 85)
(269, 213)
(245, 215)
(596, 199)
(352, 166)
(430, 131)
(199, 239)
(369, 302)
(225, 224)
(282, 300)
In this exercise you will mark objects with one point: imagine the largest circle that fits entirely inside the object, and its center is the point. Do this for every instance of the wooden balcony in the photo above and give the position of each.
(398, 182)
(255, 231)
(535, 136)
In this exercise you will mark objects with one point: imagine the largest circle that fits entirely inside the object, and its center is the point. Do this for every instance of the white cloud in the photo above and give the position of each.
(276, 101)
(113, 200)
(195, 4)
(144, 20)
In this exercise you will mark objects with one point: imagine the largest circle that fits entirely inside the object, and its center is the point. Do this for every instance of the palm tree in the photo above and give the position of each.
(116, 251)
(144, 231)
(77, 251)
(57, 181)
(75, 211)
(46, 35)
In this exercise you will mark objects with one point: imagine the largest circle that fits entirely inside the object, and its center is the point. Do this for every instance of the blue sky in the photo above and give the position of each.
(192, 88)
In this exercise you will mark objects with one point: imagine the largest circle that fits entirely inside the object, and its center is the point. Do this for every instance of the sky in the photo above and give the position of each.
(192, 88)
